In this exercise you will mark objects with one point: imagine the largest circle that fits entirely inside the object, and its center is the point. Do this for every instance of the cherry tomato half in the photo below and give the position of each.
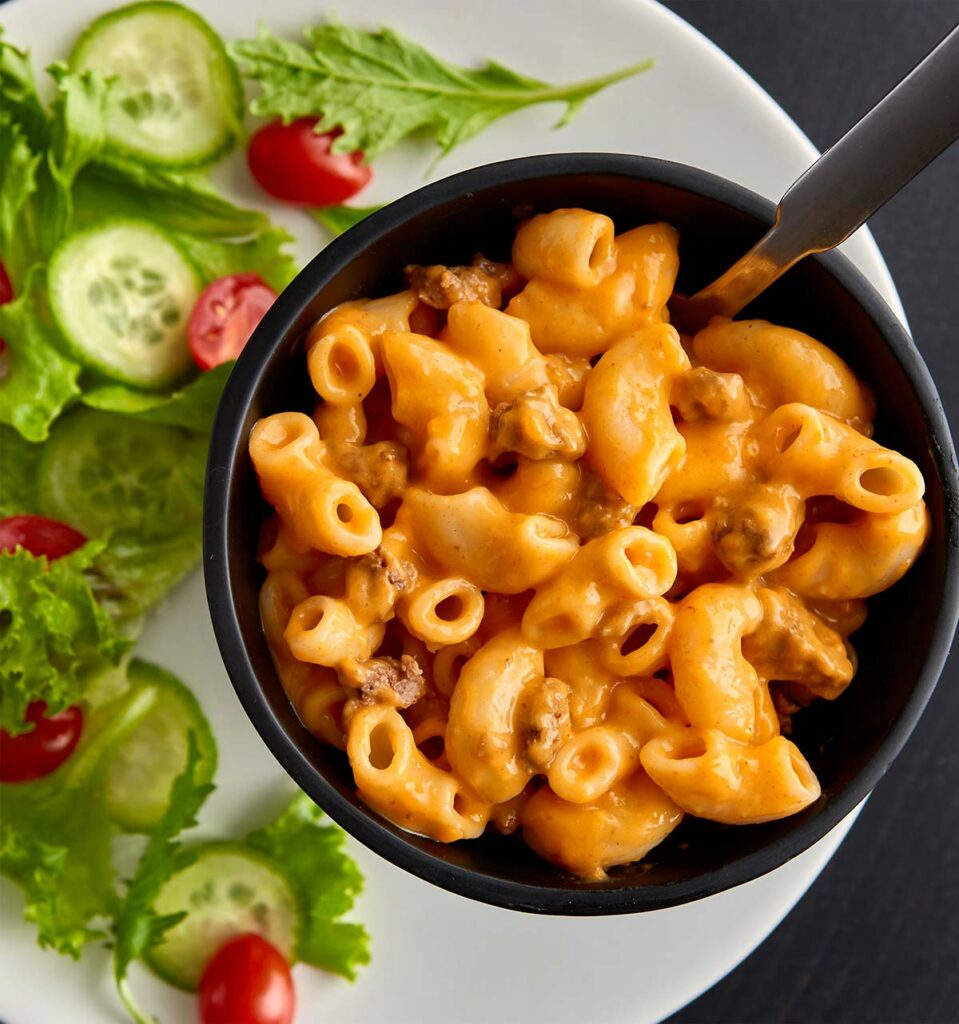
(32, 755)
(39, 536)
(247, 981)
(6, 295)
(224, 317)
(6, 288)
(293, 163)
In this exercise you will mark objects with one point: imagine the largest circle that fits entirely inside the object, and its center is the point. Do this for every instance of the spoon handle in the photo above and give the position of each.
(903, 133)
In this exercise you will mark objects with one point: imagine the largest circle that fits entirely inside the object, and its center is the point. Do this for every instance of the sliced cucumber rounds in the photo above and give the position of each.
(177, 100)
(122, 294)
(100, 471)
(228, 890)
(142, 771)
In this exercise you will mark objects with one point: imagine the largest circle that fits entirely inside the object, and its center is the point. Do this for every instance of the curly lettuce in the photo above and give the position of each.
(309, 851)
(53, 631)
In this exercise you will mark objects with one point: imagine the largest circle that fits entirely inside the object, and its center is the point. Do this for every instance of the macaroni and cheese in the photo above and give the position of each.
(540, 563)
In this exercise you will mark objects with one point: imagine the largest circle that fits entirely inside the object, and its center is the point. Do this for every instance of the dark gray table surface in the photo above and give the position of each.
(876, 938)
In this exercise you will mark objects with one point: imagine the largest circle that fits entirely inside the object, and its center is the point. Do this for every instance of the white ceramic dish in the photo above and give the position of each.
(438, 958)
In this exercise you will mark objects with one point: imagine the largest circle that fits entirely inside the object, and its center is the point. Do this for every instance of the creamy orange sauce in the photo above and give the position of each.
(555, 567)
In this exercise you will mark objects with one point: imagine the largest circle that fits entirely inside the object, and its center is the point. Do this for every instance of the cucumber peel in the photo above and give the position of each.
(140, 774)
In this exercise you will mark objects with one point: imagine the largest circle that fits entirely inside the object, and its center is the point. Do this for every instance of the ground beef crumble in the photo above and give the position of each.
(704, 394)
(599, 509)
(375, 580)
(439, 286)
(396, 682)
(544, 721)
(792, 644)
(379, 470)
(535, 425)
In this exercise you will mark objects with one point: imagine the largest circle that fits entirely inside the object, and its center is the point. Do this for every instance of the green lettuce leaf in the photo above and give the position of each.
(337, 219)
(220, 237)
(264, 255)
(55, 632)
(39, 381)
(310, 853)
(36, 208)
(18, 466)
(379, 87)
(192, 407)
(19, 91)
(77, 134)
(55, 834)
(137, 926)
(136, 574)
(18, 183)
(180, 202)
(41, 155)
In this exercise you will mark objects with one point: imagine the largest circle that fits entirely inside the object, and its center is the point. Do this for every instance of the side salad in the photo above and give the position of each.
(128, 284)
(104, 419)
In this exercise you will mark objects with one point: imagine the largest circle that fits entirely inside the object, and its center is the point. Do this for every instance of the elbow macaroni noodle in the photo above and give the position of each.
(555, 568)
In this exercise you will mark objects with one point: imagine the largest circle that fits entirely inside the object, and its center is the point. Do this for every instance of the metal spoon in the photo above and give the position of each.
(903, 133)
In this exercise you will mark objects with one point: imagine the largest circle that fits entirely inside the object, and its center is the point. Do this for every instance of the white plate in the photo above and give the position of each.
(439, 958)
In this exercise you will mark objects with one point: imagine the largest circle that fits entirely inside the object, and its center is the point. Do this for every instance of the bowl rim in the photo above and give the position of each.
(227, 446)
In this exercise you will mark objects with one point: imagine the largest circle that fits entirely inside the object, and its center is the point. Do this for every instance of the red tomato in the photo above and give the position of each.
(224, 317)
(293, 163)
(6, 295)
(31, 755)
(6, 288)
(247, 981)
(39, 536)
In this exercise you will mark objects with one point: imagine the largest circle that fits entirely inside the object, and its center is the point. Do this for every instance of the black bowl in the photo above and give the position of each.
(850, 742)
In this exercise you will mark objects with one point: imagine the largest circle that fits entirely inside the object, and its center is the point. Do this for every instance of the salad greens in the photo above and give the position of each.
(55, 834)
(337, 219)
(131, 473)
(39, 381)
(55, 633)
(379, 87)
(18, 460)
(137, 926)
(49, 150)
(18, 171)
(125, 466)
(179, 200)
(192, 407)
(56, 178)
(312, 857)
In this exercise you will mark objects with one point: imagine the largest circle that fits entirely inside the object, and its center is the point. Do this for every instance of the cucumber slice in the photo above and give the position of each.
(122, 293)
(177, 100)
(228, 890)
(140, 775)
(100, 471)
